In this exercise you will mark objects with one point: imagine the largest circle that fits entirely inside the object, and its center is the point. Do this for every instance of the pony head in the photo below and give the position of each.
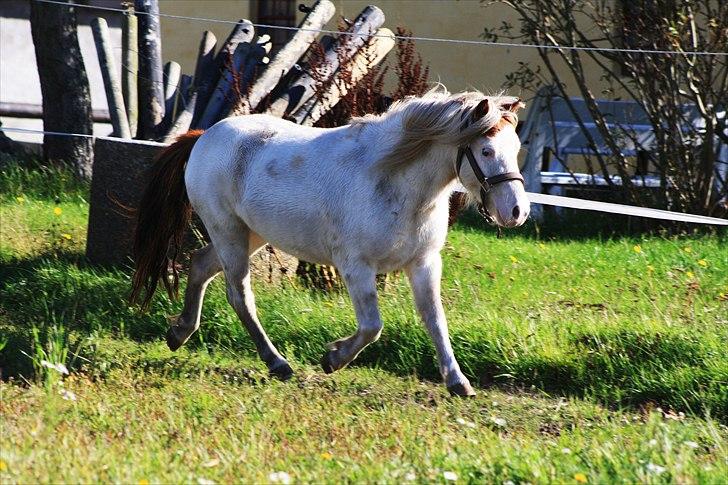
(493, 152)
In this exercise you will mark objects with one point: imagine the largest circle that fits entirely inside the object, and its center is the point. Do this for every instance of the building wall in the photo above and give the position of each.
(457, 66)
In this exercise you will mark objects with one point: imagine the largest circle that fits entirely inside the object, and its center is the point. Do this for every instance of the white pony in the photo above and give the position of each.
(369, 198)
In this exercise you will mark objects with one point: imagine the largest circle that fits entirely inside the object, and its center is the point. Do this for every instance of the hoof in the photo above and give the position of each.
(461, 390)
(326, 363)
(174, 342)
(282, 371)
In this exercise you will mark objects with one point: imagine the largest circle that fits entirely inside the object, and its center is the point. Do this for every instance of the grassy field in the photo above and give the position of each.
(600, 357)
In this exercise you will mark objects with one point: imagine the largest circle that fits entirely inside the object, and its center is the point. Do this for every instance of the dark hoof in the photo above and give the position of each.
(282, 372)
(326, 363)
(173, 342)
(461, 390)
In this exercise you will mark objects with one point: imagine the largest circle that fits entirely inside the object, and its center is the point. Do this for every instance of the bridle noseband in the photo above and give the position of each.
(486, 183)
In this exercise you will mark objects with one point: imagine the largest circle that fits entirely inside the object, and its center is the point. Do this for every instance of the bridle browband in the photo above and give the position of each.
(486, 183)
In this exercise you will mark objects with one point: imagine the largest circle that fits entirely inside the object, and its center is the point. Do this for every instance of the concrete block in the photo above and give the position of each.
(117, 184)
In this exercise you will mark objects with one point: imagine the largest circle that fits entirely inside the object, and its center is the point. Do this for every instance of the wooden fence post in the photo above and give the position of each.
(367, 57)
(205, 71)
(151, 84)
(112, 83)
(367, 22)
(289, 55)
(242, 32)
(130, 68)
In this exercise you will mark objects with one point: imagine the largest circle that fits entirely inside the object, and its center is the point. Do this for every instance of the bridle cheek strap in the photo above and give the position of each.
(486, 183)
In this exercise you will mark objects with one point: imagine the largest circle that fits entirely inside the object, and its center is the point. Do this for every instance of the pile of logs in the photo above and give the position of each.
(150, 102)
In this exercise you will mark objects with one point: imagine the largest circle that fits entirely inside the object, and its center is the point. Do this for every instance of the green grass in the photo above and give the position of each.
(595, 341)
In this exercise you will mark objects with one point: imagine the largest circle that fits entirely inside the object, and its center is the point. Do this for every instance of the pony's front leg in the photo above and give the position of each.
(424, 276)
(361, 284)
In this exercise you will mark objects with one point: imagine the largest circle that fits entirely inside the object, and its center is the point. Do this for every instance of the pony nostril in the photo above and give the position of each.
(516, 212)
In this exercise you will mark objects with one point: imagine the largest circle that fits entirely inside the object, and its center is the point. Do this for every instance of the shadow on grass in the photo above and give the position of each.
(677, 370)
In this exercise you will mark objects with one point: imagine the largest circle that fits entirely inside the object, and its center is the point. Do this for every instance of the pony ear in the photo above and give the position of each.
(481, 109)
(515, 106)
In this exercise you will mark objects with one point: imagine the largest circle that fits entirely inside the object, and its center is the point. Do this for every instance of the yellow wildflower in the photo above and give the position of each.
(703, 263)
(66, 236)
(3, 466)
(637, 248)
(690, 274)
(57, 211)
(580, 477)
(20, 199)
(542, 245)
(143, 481)
(326, 455)
(513, 259)
(687, 249)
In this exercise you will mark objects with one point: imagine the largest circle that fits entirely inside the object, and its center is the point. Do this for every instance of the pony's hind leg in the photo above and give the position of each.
(361, 284)
(205, 265)
(233, 246)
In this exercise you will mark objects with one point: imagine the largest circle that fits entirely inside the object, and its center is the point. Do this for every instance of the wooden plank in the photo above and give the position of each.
(130, 67)
(565, 178)
(288, 56)
(150, 82)
(112, 81)
(367, 57)
(368, 21)
(35, 111)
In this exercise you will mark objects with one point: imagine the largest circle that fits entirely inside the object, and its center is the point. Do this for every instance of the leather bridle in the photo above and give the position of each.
(486, 183)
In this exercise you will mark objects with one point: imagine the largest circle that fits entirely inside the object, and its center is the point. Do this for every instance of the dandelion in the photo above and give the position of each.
(326, 455)
(67, 395)
(499, 422)
(580, 477)
(703, 263)
(463, 422)
(513, 259)
(690, 275)
(656, 469)
(637, 248)
(450, 476)
(57, 211)
(687, 249)
(280, 477)
(3, 466)
(143, 481)
(66, 236)
(20, 199)
(57, 367)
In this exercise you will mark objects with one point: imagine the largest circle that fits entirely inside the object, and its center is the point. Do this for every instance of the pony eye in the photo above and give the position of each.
(487, 152)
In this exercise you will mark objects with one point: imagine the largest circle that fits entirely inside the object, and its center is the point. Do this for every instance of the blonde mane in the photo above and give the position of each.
(439, 117)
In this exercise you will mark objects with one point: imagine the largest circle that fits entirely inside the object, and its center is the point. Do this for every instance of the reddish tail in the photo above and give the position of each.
(163, 217)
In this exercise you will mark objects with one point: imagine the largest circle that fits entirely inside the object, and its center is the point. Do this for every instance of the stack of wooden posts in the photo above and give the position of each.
(150, 102)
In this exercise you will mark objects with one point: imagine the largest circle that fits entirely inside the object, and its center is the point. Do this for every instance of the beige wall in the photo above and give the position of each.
(457, 66)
